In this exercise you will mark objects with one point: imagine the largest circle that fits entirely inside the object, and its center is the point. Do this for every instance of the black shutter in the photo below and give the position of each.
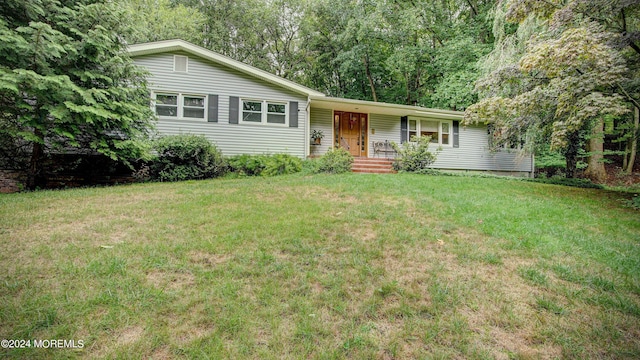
(293, 114)
(456, 134)
(234, 109)
(212, 115)
(404, 124)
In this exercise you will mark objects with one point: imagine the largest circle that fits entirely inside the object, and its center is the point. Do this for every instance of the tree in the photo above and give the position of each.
(564, 85)
(154, 20)
(66, 81)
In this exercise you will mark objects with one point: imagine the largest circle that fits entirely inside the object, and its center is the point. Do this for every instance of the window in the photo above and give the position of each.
(439, 131)
(167, 105)
(264, 112)
(252, 111)
(181, 106)
(430, 128)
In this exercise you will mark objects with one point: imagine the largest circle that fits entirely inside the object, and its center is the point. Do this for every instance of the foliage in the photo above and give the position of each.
(317, 134)
(264, 165)
(186, 157)
(414, 155)
(67, 83)
(335, 161)
(155, 20)
(248, 165)
(282, 164)
(310, 166)
(528, 97)
(633, 203)
(573, 182)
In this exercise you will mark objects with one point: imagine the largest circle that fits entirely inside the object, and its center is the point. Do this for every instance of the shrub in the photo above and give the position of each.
(633, 203)
(573, 182)
(265, 165)
(335, 161)
(414, 156)
(249, 165)
(311, 166)
(185, 157)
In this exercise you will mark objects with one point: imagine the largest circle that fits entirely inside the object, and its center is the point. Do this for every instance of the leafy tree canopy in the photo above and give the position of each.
(565, 79)
(66, 81)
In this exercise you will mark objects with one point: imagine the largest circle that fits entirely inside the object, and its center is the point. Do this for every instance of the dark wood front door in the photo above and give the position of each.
(352, 132)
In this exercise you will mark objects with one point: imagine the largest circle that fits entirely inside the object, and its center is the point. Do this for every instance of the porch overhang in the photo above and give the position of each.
(371, 107)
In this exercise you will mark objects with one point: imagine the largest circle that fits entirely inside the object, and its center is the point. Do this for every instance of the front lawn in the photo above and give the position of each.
(348, 266)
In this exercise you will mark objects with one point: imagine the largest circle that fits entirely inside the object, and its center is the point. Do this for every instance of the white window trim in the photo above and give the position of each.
(175, 57)
(440, 122)
(264, 109)
(181, 96)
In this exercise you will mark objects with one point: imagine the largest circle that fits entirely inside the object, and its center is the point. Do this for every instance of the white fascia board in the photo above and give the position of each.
(382, 108)
(181, 45)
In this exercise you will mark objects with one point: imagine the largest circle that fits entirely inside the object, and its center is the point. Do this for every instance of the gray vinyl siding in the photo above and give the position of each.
(387, 128)
(321, 119)
(205, 77)
(473, 153)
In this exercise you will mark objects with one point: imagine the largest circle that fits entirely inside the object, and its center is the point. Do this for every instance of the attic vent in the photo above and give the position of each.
(180, 63)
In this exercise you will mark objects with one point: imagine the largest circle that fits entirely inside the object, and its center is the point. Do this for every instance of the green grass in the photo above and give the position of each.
(323, 267)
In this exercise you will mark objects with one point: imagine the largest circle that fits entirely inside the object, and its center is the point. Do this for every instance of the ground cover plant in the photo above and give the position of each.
(322, 266)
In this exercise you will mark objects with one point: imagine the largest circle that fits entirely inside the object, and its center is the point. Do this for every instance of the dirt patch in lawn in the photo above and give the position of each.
(170, 280)
(208, 259)
(130, 335)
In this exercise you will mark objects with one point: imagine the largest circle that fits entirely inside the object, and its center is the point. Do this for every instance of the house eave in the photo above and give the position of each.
(363, 106)
(181, 45)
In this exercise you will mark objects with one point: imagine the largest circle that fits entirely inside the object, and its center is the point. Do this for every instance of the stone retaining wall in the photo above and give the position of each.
(12, 181)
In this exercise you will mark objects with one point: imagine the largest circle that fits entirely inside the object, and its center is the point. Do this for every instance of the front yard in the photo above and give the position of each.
(348, 266)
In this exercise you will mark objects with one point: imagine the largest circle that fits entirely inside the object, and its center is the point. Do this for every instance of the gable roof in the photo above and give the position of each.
(181, 45)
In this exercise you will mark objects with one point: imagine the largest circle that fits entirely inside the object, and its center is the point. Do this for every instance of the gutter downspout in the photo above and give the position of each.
(307, 127)
(533, 165)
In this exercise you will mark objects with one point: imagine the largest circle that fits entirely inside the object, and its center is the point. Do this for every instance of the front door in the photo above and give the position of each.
(351, 131)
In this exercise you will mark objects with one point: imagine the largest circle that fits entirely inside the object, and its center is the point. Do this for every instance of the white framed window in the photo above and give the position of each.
(180, 63)
(264, 112)
(180, 106)
(440, 131)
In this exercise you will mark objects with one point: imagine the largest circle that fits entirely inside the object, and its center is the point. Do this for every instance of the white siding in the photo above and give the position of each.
(205, 77)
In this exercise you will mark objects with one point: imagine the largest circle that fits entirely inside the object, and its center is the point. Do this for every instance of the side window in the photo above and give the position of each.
(167, 105)
(181, 106)
(264, 112)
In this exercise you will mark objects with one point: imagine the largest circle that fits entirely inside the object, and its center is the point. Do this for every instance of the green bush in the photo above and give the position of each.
(248, 165)
(282, 164)
(185, 157)
(311, 166)
(414, 156)
(265, 165)
(335, 161)
(573, 182)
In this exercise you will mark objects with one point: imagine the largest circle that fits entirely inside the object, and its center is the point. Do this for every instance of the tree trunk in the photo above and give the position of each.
(571, 154)
(625, 157)
(595, 169)
(365, 59)
(633, 141)
(34, 172)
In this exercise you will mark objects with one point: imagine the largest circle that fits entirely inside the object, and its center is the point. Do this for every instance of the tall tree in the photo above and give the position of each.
(154, 20)
(66, 81)
(566, 83)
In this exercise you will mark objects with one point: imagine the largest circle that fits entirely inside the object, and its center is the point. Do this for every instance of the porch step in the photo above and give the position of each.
(369, 165)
